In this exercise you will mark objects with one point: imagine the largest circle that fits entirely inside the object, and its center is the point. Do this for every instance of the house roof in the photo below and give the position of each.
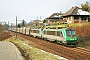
(72, 11)
(54, 15)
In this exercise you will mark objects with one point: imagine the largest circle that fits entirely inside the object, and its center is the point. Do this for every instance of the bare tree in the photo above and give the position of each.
(1, 28)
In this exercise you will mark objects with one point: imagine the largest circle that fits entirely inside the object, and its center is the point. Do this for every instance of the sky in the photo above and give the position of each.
(29, 10)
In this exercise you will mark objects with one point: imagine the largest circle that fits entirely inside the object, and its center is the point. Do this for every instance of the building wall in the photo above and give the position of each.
(79, 19)
(70, 19)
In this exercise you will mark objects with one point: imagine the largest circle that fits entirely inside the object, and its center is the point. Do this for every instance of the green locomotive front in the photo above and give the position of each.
(70, 36)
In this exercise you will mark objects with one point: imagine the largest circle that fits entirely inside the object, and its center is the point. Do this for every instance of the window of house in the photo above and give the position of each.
(83, 18)
(76, 17)
(88, 19)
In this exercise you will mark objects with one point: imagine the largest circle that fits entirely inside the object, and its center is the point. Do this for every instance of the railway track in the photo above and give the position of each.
(69, 53)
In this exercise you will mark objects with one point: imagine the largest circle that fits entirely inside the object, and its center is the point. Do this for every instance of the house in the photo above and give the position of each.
(76, 15)
(37, 23)
(55, 17)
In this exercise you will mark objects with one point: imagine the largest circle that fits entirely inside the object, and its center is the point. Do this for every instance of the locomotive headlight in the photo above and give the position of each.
(72, 39)
(75, 39)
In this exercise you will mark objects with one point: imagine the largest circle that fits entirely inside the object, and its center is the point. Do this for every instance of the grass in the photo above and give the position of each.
(32, 53)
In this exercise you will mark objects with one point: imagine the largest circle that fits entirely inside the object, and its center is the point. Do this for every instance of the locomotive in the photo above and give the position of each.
(66, 36)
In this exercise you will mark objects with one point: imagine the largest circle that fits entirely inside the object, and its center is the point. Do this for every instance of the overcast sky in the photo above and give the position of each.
(31, 9)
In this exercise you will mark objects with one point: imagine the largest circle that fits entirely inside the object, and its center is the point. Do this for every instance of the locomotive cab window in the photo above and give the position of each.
(61, 34)
(70, 32)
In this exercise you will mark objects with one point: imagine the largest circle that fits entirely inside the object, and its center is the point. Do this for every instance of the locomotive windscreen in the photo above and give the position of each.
(70, 32)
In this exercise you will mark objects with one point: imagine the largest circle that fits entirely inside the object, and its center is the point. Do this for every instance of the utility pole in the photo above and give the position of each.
(59, 15)
(40, 17)
(8, 24)
(37, 18)
(16, 27)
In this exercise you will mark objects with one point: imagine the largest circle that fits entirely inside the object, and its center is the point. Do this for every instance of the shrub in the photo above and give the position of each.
(83, 30)
(4, 35)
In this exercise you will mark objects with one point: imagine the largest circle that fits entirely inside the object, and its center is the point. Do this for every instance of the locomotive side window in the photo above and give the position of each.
(58, 33)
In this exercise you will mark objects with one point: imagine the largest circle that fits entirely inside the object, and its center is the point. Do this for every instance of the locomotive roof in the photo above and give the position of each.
(55, 29)
(59, 29)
